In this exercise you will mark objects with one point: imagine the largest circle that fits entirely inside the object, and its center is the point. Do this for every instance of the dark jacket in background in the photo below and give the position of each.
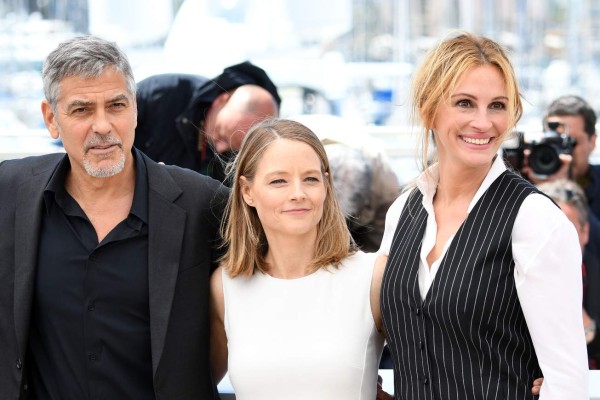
(591, 303)
(172, 108)
(591, 185)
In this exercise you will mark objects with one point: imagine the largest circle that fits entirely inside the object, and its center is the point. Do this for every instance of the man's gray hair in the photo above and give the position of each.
(85, 57)
(564, 191)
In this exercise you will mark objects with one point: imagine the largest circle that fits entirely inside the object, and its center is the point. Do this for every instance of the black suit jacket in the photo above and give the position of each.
(185, 209)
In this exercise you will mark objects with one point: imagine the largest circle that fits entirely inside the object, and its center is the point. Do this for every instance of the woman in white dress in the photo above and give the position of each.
(295, 307)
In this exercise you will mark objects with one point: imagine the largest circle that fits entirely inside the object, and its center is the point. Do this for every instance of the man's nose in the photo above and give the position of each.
(101, 124)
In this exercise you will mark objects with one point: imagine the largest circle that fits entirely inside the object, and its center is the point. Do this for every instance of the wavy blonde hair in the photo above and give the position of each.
(440, 72)
(241, 228)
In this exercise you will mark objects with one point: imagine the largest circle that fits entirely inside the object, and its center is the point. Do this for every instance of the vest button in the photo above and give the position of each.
(418, 311)
(425, 381)
(19, 364)
(421, 344)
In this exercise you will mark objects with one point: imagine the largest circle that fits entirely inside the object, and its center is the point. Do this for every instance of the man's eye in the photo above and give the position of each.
(119, 105)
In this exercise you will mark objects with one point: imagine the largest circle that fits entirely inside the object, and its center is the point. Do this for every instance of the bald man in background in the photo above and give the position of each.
(197, 123)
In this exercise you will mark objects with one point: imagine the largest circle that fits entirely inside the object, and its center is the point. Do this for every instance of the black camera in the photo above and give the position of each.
(544, 154)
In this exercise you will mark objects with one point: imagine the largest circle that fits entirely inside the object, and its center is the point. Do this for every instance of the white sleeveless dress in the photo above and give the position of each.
(307, 338)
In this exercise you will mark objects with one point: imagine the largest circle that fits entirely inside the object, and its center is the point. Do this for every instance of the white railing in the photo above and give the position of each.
(27, 142)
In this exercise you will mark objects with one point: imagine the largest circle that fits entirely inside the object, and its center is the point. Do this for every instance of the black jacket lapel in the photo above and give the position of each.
(27, 226)
(166, 227)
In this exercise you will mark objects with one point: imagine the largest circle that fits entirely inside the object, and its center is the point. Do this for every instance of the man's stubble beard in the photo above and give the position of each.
(103, 172)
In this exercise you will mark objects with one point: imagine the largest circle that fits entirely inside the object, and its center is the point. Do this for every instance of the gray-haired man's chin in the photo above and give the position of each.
(104, 172)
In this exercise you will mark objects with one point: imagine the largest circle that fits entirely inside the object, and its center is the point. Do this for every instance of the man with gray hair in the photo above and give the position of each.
(105, 255)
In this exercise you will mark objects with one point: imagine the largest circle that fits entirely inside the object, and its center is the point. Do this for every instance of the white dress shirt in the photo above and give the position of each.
(547, 274)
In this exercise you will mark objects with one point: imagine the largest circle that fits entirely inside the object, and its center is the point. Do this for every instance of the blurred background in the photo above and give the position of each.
(351, 58)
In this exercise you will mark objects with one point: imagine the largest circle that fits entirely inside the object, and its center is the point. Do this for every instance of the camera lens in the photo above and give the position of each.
(544, 159)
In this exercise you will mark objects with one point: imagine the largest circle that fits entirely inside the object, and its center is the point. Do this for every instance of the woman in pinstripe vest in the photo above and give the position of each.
(482, 289)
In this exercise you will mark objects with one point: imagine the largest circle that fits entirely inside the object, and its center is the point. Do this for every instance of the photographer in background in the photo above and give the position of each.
(572, 116)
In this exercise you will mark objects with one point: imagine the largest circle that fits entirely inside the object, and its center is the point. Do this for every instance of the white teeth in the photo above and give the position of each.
(476, 141)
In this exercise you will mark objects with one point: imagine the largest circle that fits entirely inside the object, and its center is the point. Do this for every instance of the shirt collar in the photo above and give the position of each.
(55, 188)
(139, 207)
(428, 180)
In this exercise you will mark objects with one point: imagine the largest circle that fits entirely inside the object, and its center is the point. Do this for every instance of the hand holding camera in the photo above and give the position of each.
(548, 158)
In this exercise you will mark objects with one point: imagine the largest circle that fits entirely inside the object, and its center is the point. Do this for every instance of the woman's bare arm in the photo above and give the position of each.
(376, 291)
(218, 338)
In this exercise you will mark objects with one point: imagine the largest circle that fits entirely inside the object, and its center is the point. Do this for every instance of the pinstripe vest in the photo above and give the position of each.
(468, 339)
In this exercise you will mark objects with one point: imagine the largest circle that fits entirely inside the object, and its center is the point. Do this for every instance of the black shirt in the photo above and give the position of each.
(90, 327)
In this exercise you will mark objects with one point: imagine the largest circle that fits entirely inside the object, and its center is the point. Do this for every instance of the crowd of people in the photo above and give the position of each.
(188, 231)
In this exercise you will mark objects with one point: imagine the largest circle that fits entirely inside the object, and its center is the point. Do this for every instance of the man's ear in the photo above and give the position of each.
(135, 111)
(221, 100)
(50, 119)
(585, 233)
